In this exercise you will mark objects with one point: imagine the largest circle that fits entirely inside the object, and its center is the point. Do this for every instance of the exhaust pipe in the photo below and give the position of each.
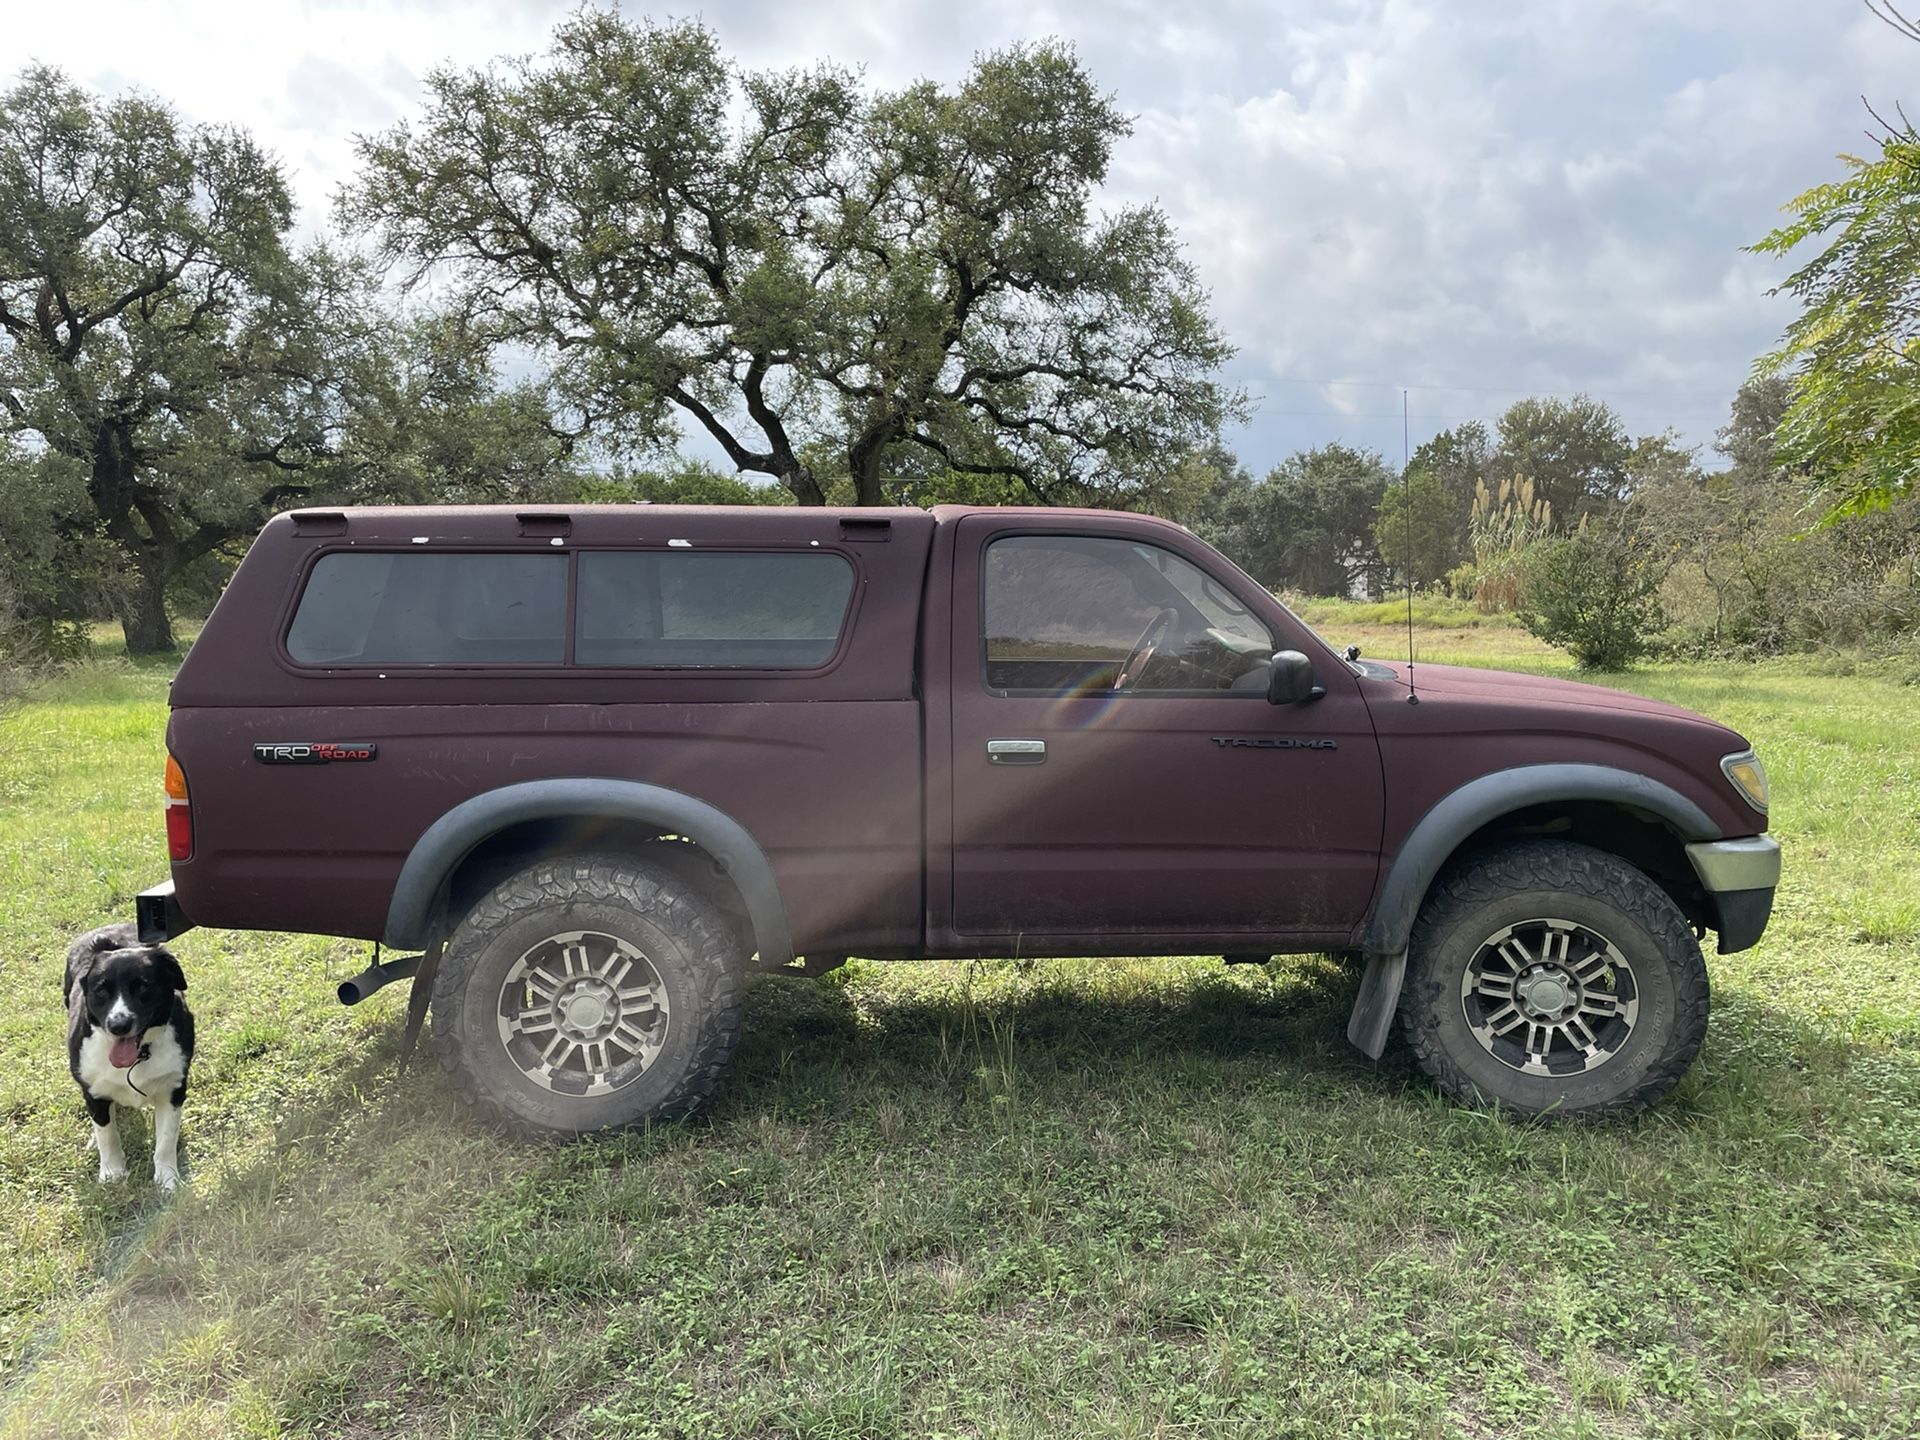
(375, 977)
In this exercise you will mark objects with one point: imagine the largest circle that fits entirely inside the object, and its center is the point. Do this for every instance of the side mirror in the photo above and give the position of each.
(1290, 679)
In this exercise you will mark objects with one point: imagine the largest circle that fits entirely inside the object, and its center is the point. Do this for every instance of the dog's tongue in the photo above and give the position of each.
(125, 1051)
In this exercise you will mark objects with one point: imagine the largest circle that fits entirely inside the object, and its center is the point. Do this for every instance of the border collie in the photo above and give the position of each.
(129, 1042)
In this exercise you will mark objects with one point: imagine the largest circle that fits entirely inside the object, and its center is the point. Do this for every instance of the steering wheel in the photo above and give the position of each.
(1143, 649)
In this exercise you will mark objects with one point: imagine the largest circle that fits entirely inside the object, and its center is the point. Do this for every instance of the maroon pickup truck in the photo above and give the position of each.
(594, 765)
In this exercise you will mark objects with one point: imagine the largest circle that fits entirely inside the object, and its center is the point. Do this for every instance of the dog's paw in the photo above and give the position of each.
(166, 1180)
(112, 1174)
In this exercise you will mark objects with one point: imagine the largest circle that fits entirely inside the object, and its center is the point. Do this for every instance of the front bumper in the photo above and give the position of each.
(158, 914)
(1739, 877)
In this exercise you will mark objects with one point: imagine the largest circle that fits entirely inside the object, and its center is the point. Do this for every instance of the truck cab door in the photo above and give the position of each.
(1120, 781)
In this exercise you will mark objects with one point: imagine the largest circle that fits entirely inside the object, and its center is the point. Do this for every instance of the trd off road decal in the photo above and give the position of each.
(314, 752)
(1271, 742)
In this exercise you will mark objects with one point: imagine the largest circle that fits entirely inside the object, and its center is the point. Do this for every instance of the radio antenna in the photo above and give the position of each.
(1406, 497)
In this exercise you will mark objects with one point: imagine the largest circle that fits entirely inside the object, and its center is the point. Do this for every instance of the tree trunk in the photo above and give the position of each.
(806, 490)
(863, 459)
(143, 608)
(153, 557)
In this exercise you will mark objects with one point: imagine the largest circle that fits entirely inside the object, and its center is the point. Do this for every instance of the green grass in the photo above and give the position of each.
(1096, 1198)
(1429, 612)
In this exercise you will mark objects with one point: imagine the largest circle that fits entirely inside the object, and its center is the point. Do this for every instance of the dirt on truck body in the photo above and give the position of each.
(595, 763)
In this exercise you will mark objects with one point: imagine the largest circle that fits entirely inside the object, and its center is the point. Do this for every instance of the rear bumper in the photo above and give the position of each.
(159, 915)
(1739, 877)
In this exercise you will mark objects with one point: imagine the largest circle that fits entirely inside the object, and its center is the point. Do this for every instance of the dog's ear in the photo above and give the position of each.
(170, 970)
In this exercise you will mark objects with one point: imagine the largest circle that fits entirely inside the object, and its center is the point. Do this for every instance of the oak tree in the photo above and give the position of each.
(163, 348)
(793, 265)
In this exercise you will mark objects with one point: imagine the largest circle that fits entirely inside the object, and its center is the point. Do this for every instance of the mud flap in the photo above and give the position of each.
(1378, 1000)
(417, 999)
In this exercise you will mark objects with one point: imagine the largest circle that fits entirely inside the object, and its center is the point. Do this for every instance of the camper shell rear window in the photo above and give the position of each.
(639, 609)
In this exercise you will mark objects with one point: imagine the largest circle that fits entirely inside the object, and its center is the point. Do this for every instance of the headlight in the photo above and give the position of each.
(1749, 777)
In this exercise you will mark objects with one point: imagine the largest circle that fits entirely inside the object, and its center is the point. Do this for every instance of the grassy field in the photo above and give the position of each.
(1098, 1198)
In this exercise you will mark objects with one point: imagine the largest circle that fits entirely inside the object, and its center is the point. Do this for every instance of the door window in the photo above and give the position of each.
(1087, 615)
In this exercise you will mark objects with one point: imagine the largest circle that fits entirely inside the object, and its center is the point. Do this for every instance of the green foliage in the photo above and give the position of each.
(178, 370)
(1576, 453)
(1430, 612)
(158, 336)
(1197, 489)
(55, 566)
(431, 423)
(791, 262)
(1573, 454)
(29, 643)
(690, 484)
(1420, 513)
(1307, 526)
(1748, 576)
(1594, 593)
(1461, 460)
(1853, 353)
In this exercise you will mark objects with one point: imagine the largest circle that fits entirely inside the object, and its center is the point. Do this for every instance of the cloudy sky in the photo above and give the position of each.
(1469, 199)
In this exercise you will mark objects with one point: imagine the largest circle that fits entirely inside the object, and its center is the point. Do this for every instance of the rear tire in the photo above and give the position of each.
(1552, 978)
(588, 992)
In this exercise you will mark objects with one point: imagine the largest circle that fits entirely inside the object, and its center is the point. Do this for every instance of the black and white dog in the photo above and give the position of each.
(129, 1042)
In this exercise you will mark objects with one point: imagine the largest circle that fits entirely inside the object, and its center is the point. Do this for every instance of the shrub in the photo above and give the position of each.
(1461, 581)
(1594, 593)
(31, 643)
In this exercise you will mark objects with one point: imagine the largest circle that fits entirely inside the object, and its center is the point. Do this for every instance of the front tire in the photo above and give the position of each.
(1552, 978)
(587, 992)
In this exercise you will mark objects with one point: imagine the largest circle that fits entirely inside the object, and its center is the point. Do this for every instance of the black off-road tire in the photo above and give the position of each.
(1474, 899)
(699, 961)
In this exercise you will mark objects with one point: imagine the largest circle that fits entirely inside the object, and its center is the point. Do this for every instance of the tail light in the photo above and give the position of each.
(179, 813)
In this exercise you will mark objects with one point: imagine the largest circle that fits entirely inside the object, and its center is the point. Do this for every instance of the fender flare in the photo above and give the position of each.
(451, 838)
(1440, 832)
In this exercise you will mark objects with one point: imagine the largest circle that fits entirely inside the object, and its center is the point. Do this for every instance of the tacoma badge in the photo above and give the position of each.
(1271, 742)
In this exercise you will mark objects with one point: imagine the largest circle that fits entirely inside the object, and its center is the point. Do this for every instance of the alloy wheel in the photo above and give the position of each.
(1550, 997)
(583, 1013)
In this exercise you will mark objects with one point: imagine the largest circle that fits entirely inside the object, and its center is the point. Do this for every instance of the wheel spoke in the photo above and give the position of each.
(1507, 1018)
(630, 1036)
(597, 1063)
(1539, 1039)
(640, 996)
(1581, 1035)
(542, 984)
(1514, 953)
(1599, 1002)
(529, 1021)
(1589, 970)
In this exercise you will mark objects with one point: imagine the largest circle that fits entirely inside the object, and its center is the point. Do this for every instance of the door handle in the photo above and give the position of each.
(1016, 752)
